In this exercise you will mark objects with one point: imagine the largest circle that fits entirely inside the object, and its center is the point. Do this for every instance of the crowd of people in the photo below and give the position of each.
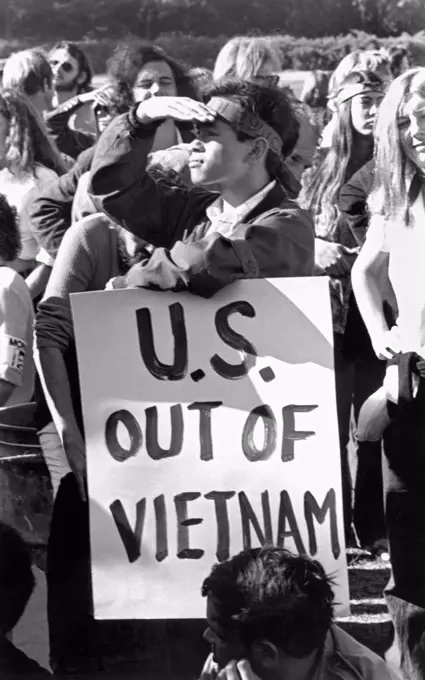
(178, 179)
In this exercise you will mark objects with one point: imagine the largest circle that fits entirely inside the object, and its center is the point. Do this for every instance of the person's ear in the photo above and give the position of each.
(264, 654)
(258, 149)
(82, 78)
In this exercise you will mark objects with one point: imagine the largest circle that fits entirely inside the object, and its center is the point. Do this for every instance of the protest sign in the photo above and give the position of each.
(211, 426)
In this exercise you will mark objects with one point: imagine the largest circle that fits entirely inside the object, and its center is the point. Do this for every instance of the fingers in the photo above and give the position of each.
(184, 108)
(237, 670)
(245, 671)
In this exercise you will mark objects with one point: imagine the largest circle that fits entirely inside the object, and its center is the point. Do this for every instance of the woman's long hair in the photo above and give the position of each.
(390, 195)
(245, 57)
(28, 143)
(320, 193)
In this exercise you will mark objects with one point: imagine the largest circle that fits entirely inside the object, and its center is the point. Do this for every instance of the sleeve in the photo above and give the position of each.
(72, 272)
(47, 207)
(16, 312)
(280, 245)
(121, 187)
(353, 202)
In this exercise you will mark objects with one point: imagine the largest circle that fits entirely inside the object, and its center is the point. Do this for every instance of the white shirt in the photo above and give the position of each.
(15, 189)
(224, 217)
(405, 245)
(16, 322)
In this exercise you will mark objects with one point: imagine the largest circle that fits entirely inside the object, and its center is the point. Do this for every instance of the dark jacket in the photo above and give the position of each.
(70, 142)
(48, 206)
(275, 239)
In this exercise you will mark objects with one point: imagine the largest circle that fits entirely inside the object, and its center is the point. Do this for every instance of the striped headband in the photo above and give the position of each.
(349, 91)
(252, 125)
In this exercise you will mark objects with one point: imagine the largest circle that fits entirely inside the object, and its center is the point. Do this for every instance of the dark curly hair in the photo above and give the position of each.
(127, 60)
(269, 593)
(10, 236)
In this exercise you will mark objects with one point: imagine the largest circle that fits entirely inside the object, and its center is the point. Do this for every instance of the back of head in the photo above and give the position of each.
(270, 594)
(28, 71)
(80, 56)
(247, 57)
(16, 577)
(27, 143)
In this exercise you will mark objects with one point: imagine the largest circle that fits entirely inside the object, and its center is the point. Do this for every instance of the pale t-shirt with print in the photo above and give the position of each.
(405, 245)
(16, 330)
(15, 189)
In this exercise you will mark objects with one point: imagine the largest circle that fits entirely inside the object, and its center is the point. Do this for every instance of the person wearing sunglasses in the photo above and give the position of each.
(72, 76)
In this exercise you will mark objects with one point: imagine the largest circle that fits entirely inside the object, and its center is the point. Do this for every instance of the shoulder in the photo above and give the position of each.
(13, 286)
(93, 229)
(349, 652)
(287, 214)
(12, 280)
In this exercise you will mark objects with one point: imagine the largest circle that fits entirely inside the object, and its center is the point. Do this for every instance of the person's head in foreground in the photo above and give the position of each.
(254, 128)
(72, 72)
(400, 147)
(30, 73)
(248, 57)
(270, 607)
(357, 104)
(16, 577)
(140, 69)
(24, 141)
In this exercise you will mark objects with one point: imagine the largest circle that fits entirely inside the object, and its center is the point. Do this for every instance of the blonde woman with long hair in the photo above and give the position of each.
(248, 58)
(392, 258)
(27, 156)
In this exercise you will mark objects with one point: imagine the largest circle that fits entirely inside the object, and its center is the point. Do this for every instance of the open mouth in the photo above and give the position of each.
(195, 163)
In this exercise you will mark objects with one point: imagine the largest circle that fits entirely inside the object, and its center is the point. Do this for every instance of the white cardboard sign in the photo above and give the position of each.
(211, 426)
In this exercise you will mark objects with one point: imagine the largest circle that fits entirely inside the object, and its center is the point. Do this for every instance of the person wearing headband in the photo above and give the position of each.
(358, 373)
(206, 239)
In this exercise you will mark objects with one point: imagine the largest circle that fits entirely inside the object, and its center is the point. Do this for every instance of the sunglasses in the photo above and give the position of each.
(65, 65)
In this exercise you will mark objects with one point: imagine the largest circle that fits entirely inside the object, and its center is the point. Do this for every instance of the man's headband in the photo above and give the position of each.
(349, 91)
(244, 121)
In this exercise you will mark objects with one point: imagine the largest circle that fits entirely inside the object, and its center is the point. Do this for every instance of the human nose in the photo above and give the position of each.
(155, 90)
(196, 145)
(417, 128)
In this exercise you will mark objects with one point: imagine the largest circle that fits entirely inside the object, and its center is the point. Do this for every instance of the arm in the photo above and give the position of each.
(47, 207)
(278, 245)
(16, 312)
(121, 187)
(370, 279)
(37, 280)
(120, 183)
(72, 272)
(353, 202)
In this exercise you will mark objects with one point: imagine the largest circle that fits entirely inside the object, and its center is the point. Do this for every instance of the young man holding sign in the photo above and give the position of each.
(205, 240)
(270, 616)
